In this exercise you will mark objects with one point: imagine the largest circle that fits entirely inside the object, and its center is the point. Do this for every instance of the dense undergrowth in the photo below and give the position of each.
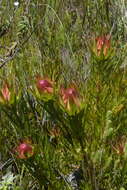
(63, 95)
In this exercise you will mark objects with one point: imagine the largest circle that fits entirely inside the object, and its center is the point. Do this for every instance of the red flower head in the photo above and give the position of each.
(8, 94)
(70, 96)
(102, 44)
(5, 93)
(44, 85)
(24, 150)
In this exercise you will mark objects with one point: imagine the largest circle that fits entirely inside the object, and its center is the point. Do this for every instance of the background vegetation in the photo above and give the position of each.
(63, 106)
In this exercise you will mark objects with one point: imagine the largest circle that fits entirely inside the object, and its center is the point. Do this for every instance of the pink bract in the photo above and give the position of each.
(5, 92)
(103, 43)
(24, 150)
(70, 96)
(44, 85)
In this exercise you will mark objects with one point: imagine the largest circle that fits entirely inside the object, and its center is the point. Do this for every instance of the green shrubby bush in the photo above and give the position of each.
(63, 95)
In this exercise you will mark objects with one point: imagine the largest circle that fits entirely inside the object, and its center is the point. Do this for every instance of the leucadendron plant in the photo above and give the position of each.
(64, 105)
(102, 55)
(63, 111)
(60, 128)
(10, 96)
(105, 139)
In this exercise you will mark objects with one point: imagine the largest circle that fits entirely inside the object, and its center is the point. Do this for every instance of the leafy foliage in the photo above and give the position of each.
(63, 95)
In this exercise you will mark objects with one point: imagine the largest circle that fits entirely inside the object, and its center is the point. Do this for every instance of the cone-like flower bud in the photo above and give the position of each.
(5, 93)
(102, 45)
(24, 150)
(44, 85)
(70, 97)
(8, 95)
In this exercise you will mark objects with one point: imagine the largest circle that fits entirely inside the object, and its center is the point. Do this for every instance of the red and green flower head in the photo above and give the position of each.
(70, 98)
(44, 88)
(7, 94)
(103, 45)
(25, 149)
(44, 85)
